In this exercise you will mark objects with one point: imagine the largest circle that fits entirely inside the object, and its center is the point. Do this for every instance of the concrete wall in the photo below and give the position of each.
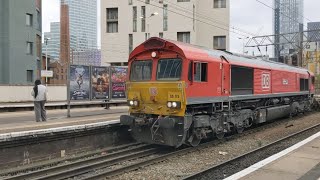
(23, 93)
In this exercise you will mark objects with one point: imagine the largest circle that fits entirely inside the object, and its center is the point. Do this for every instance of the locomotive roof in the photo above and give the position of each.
(195, 52)
(236, 59)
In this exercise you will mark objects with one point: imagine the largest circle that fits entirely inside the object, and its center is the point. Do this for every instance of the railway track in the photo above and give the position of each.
(134, 166)
(115, 162)
(60, 168)
(241, 162)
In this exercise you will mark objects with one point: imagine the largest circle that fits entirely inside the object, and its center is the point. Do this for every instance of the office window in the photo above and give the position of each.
(200, 72)
(147, 1)
(38, 46)
(160, 35)
(146, 36)
(112, 20)
(130, 2)
(219, 42)
(30, 76)
(165, 17)
(143, 18)
(29, 48)
(219, 4)
(183, 0)
(130, 43)
(29, 19)
(194, 17)
(183, 37)
(134, 15)
(39, 23)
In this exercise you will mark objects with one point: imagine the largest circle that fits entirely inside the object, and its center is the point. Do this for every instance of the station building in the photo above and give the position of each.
(126, 24)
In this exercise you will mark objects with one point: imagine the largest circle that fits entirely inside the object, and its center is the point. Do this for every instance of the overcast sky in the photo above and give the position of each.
(248, 15)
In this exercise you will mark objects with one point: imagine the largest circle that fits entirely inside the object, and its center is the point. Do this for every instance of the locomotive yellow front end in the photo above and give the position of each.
(157, 112)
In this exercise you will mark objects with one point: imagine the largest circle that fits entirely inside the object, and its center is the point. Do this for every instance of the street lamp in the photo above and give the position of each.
(151, 15)
(46, 40)
(243, 39)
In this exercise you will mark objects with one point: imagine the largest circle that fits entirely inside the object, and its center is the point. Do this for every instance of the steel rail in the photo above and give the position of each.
(45, 168)
(88, 166)
(164, 157)
(221, 166)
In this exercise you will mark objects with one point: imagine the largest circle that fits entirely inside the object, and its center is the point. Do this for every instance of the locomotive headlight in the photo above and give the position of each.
(133, 103)
(174, 104)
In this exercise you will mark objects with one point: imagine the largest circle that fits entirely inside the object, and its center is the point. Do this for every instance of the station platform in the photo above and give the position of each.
(19, 123)
(23, 106)
(301, 161)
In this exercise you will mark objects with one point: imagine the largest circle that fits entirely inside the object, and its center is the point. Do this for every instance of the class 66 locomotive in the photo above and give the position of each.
(180, 94)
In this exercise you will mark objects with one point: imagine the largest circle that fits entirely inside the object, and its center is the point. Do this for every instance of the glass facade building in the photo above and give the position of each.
(83, 23)
(53, 45)
(288, 18)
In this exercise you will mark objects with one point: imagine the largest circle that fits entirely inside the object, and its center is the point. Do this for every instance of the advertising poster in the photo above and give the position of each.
(118, 82)
(100, 83)
(79, 82)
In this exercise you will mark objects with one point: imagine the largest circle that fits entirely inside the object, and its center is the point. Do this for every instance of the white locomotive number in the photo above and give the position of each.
(265, 81)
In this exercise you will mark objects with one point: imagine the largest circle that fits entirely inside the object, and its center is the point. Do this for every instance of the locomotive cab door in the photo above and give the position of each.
(225, 76)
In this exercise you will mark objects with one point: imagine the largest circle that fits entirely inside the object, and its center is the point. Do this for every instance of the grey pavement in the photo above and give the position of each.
(55, 103)
(57, 118)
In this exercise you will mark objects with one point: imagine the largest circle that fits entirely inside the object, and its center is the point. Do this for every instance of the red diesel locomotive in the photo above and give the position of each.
(179, 93)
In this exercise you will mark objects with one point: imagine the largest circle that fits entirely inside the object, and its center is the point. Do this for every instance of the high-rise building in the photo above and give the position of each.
(20, 41)
(89, 57)
(125, 24)
(83, 23)
(82, 27)
(53, 44)
(288, 18)
(314, 33)
(312, 49)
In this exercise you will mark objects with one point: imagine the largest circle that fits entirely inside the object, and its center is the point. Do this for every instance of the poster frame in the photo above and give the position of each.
(69, 76)
(109, 93)
(125, 83)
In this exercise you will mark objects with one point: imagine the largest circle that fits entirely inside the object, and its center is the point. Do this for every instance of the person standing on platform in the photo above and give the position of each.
(39, 94)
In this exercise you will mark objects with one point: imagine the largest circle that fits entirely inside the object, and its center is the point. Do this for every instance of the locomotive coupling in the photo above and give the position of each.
(127, 120)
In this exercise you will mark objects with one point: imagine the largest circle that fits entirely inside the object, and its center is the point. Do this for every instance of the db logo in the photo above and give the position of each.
(265, 81)
(285, 81)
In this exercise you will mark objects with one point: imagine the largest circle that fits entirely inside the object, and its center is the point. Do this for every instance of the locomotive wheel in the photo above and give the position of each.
(220, 135)
(239, 129)
(194, 140)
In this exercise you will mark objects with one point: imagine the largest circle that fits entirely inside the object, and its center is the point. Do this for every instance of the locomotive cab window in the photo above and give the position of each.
(141, 70)
(200, 72)
(169, 69)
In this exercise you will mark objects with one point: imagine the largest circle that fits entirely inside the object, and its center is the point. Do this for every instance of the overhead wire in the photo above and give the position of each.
(181, 14)
(278, 1)
(209, 18)
(280, 12)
